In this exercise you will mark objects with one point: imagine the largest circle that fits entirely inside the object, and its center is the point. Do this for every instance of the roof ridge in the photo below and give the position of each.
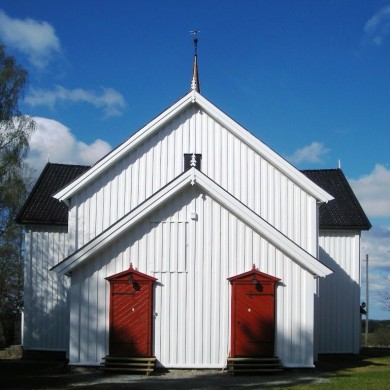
(68, 165)
(321, 169)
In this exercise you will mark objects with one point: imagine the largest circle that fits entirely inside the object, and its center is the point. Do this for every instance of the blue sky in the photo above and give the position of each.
(310, 78)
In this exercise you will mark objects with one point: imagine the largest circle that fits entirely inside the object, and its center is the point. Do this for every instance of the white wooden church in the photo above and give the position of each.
(192, 242)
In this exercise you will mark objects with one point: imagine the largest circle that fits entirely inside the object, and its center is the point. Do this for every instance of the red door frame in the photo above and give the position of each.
(253, 314)
(131, 319)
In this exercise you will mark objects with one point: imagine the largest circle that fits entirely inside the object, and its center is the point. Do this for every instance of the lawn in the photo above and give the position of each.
(368, 373)
(371, 370)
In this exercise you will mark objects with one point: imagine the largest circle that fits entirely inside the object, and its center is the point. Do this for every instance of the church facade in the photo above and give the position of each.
(192, 242)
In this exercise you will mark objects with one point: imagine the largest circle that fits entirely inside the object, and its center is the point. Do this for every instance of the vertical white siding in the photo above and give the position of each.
(46, 313)
(338, 298)
(226, 159)
(192, 260)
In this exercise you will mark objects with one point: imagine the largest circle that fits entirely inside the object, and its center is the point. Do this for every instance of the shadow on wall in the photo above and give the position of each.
(337, 310)
(46, 322)
(46, 298)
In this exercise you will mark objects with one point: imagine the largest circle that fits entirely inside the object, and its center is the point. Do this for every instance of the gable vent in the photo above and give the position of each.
(192, 160)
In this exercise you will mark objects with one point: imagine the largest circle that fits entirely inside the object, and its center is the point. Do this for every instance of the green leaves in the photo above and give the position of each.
(13, 79)
(15, 133)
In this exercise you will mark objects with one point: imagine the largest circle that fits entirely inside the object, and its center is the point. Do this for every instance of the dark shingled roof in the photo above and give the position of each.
(344, 211)
(40, 207)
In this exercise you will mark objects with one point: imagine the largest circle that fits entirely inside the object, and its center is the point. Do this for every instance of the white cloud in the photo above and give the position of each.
(36, 39)
(378, 27)
(55, 142)
(110, 101)
(373, 191)
(376, 243)
(313, 153)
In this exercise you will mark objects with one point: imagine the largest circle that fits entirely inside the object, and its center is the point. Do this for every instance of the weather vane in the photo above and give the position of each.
(195, 34)
(195, 85)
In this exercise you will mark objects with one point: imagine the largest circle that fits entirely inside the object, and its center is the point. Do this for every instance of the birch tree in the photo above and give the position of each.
(15, 132)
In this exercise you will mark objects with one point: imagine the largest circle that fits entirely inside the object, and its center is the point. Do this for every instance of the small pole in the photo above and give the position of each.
(367, 305)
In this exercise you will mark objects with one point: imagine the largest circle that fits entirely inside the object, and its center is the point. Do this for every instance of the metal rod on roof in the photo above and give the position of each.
(195, 84)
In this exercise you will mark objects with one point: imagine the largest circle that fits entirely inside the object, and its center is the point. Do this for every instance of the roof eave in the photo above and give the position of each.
(42, 223)
(269, 154)
(104, 238)
(285, 244)
(191, 177)
(341, 227)
(124, 148)
(190, 98)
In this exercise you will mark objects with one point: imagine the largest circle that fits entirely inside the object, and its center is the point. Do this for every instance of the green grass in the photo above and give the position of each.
(370, 373)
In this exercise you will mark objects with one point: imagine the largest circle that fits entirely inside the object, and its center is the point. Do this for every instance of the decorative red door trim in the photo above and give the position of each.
(131, 305)
(253, 314)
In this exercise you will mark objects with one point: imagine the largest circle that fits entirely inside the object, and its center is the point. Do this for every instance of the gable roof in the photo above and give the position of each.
(188, 178)
(40, 207)
(344, 211)
(202, 103)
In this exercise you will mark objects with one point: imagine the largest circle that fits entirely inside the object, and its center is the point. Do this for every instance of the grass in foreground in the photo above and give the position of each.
(370, 373)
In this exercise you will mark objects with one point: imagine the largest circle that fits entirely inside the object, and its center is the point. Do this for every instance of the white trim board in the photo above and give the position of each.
(199, 179)
(193, 98)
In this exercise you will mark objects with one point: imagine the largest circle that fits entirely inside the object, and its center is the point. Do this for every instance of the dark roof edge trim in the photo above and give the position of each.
(18, 218)
(40, 223)
(345, 227)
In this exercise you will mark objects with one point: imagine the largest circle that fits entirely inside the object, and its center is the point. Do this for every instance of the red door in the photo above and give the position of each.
(131, 314)
(253, 314)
